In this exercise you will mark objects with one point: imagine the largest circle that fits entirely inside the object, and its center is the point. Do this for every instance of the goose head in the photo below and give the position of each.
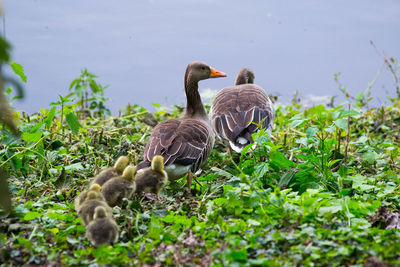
(244, 76)
(197, 71)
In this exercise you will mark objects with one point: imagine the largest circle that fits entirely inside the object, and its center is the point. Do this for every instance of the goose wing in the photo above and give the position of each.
(180, 141)
(235, 109)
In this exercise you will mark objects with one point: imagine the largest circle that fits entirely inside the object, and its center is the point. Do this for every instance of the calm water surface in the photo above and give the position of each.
(141, 48)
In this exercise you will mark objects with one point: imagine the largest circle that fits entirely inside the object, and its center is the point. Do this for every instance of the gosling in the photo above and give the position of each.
(92, 201)
(152, 179)
(117, 188)
(103, 229)
(82, 196)
(109, 173)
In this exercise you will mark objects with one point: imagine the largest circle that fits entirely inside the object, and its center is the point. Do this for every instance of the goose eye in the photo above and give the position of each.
(203, 68)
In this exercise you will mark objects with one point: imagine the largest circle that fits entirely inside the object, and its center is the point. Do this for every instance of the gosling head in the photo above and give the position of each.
(129, 173)
(157, 164)
(95, 187)
(92, 195)
(121, 163)
(100, 212)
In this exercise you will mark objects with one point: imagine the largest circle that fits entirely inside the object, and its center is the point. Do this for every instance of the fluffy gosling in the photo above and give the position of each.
(86, 210)
(103, 229)
(117, 188)
(109, 173)
(152, 179)
(82, 196)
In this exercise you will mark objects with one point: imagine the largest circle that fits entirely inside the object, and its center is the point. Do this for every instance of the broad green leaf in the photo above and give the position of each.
(238, 255)
(72, 122)
(222, 172)
(72, 241)
(369, 156)
(302, 141)
(51, 156)
(80, 89)
(331, 209)
(311, 131)
(285, 179)
(31, 215)
(73, 83)
(93, 86)
(54, 230)
(156, 227)
(93, 105)
(19, 70)
(296, 123)
(279, 159)
(74, 166)
(31, 137)
(260, 169)
(56, 215)
(331, 129)
(220, 201)
(365, 187)
(37, 127)
(341, 123)
(346, 113)
(358, 180)
(252, 222)
(66, 98)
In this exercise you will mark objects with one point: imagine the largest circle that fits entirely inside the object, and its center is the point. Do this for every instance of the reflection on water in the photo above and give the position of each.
(141, 48)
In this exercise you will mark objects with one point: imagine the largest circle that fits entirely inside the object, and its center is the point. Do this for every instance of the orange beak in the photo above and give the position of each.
(216, 73)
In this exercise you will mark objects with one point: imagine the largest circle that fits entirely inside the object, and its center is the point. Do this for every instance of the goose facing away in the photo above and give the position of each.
(236, 109)
(86, 210)
(102, 229)
(82, 196)
(118, 188)
(186, 142)
(152, 179)
(114, 171)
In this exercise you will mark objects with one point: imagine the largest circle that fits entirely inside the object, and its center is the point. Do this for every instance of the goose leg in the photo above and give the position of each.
(189, 180)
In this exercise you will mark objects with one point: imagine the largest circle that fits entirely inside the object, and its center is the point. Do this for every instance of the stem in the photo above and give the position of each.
(346, 144)
(62, 116)
(395, 166)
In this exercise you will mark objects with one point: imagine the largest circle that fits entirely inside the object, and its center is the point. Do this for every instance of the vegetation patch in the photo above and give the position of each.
(323, 189)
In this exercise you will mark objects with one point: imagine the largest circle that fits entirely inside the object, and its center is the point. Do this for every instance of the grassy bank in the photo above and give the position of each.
(322, 190)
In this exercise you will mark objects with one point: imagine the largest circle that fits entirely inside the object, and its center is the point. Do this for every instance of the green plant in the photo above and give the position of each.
(321, 190)
(67, 110)
(96, 98)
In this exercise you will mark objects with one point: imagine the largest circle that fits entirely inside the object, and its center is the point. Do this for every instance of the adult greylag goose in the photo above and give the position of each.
(186, 142)
(236, 109)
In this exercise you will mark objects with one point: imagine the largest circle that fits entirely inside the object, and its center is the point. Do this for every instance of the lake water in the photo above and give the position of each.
(141, 48)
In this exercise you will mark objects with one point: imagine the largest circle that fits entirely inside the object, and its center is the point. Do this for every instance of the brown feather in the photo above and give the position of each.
(235, 109)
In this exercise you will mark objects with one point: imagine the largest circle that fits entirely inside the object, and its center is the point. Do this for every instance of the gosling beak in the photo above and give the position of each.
(216, 73)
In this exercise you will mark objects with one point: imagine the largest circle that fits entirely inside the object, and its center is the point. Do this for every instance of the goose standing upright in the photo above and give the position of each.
(186, 142)
(236, 109)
